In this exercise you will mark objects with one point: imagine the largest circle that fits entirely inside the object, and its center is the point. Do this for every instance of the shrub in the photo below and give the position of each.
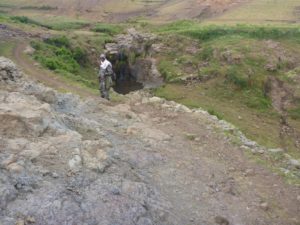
(255, 98)
(56, 54)
(233, 76)
(26, 20)
(210, 72)
(214, 113)
(51, 63)
(167, 70)
(43, 7)
(206, 53)
(80, 56)
(21, 19)
(68, 25)
(59, 41)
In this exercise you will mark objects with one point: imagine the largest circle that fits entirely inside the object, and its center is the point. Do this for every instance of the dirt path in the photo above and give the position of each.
(44, 76)
(207, 177)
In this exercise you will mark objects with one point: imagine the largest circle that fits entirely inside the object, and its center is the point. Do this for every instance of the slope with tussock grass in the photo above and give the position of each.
(226, 70)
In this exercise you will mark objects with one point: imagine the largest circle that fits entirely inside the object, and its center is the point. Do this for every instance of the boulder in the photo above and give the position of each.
(95, 158)
(8, 71)
(23, 116)
(294, 163)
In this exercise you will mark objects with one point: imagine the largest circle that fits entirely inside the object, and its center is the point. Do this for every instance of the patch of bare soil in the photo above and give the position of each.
(207, 177)
(7, 33)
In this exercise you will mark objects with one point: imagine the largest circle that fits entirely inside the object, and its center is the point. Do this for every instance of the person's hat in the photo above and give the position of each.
(102, 56)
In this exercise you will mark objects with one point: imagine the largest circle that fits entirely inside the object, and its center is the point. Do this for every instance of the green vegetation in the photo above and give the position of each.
(6, 5)
(26, 20)
(58, 54)
(6, 48)
(43, 7)
(167, 70)
(229, 66)
(110, 29)
(214, 113)
(295, 113)
(53, 24)
(73, 56)
(209, 32)
(67, 25)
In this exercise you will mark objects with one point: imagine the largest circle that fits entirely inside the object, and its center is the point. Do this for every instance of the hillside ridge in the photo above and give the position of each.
(91, 162)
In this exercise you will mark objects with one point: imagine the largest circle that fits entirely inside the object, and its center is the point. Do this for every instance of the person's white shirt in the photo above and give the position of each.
(105, 64)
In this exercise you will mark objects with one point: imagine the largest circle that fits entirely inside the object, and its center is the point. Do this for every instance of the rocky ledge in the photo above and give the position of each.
(57, 164)
(64, 160)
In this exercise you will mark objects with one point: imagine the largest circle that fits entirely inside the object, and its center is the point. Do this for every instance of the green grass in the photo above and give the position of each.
(55, 23)
(110, 29)
(7, 5)
(231, 62)
(26, 20)
(6, 48)
(67, 25)
(70, 55)
(167, 70)
(295, 113)
(60, 55)
(43, 7)
(208, 32)
(257, 125)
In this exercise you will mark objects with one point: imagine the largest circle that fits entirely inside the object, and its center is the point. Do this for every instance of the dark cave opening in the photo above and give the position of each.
(125, 81)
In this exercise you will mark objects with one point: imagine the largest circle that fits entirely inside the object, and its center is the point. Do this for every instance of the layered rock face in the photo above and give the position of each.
(136, 49)
(59, 163)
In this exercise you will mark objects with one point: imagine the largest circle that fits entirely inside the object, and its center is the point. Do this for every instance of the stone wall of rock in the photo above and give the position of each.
(138, 49)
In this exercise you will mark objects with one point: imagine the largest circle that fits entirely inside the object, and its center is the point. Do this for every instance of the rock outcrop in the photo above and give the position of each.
(145, 161)
(57, 164)
(137, 48)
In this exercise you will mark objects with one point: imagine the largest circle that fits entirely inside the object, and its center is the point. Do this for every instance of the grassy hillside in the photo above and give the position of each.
(246, 74)
(217, 11)
(118, 10)
(226, 70)
(263, 11)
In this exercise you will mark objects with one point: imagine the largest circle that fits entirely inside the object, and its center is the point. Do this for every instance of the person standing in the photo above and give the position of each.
(105, 76)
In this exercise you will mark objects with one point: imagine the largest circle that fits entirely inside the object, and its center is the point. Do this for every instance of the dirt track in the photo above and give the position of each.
(211, 177)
